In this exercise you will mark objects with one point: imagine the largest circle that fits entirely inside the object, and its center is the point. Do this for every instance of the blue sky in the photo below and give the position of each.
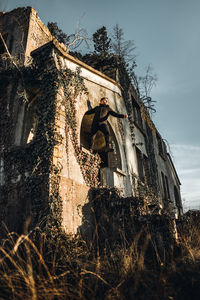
(167, 36)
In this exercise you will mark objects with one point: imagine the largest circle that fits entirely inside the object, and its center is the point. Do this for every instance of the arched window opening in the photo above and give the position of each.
(32, 129)
(30, 124)
(31, 115)
(110, 160)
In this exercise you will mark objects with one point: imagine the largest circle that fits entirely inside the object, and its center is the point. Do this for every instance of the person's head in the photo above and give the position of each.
(104, 101)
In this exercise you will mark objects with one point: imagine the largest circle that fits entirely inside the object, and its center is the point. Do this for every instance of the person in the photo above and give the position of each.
(101, 114)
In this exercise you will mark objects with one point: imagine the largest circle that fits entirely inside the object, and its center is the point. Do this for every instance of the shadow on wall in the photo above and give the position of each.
(110, 220)
(96, 220)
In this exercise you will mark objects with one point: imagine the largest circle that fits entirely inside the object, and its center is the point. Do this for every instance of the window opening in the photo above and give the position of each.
(137, 113)
(164, 189)
(2, 46)
(11, 43)
(110, 160)
(140, 164)
(161, 146)
(167, 187)
(30, 124)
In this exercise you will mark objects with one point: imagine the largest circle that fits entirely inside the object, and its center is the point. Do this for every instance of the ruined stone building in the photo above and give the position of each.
(46, 167)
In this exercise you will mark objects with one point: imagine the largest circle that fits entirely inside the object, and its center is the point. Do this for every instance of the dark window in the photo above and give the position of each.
(161, 146)
(10, 46)
(8, 39)
(140, 164)
(147, 170)
(167, 187)
(2, 46)
(164, 189)
(159, 141)
(137, 113)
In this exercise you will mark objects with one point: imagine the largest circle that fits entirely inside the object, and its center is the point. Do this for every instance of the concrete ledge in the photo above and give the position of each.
(120, 172)
(63, 50)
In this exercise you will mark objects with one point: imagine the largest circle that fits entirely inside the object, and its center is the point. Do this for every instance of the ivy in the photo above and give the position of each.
(73, 86)
(29, 169)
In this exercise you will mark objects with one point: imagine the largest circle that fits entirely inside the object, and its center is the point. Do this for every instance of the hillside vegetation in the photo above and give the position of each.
(55, 266)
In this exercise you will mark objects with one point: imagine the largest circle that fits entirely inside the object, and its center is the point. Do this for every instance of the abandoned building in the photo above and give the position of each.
(46, 166)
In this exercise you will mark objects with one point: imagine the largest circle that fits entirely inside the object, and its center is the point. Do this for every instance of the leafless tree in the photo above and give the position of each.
(12, 59)
(144, 85)
(122, 48)
(77, 38)
(7, 59)
(72, 41)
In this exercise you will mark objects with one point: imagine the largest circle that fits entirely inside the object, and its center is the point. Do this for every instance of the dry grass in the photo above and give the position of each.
(65, 268)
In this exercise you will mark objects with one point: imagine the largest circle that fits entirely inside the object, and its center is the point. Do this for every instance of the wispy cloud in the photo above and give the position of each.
(190, 171)
(187, 163)
(186, 147)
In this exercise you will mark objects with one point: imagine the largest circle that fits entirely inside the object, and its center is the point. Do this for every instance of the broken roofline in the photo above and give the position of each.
(62, 49)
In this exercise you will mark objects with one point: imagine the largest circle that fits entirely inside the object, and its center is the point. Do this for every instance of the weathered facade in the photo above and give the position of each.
(47, 169)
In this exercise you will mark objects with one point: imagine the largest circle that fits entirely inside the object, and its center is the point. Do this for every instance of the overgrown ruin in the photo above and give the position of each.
(47, 172)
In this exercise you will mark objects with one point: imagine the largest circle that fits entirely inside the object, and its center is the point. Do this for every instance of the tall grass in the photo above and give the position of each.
(65, 267)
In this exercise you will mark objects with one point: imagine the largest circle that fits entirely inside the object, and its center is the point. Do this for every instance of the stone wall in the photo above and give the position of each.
(45, 168)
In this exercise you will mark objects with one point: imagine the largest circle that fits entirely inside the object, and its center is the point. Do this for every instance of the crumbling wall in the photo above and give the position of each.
(111, 220)
(25, 187)
(79, 167)
(14, 27)
(38, 33)
(23, 32)
(45, 172)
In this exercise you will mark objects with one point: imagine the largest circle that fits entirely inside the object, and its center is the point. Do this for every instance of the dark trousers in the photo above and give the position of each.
(104, 129)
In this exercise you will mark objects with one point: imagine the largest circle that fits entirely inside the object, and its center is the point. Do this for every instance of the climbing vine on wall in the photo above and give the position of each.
(29, 172)
(73, 86)
(29, 169)
(36, 159)
(146, 118)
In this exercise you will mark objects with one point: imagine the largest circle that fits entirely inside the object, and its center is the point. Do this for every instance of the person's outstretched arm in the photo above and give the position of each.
(114, 114)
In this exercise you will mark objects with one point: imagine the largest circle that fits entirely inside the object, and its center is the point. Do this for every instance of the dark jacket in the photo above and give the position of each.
(102, 113)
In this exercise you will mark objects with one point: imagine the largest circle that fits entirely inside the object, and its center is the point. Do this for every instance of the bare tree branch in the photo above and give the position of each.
(123, 49)
(12, 59)
(144, 85)
(8, 52)
(77, 38)
(72, 41)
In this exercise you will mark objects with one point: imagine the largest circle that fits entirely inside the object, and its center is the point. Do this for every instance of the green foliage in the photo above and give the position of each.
(73, 87)
(102, 43)
(58, 33)
(33, 162)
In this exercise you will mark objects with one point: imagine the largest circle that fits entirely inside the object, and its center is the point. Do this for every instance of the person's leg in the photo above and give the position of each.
(92, 137)
(105, 130)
